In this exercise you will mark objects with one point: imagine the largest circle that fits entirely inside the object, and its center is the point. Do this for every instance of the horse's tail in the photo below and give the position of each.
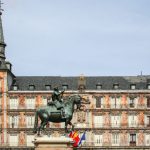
(35, 122)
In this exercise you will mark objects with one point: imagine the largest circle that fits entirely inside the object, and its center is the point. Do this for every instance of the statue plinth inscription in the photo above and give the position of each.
(53, 143)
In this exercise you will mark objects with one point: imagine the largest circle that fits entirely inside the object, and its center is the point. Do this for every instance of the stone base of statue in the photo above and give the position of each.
(53, 143)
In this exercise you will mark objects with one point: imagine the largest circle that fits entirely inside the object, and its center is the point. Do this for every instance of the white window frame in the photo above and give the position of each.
(115, 120)
(14, 120)
(30, 121)
(30, 139)
(44, 101)
(147, 139)
(132, 120)
(98, 139)
(14, 103)
(133, 86)
(115, 102)
(115, 139)
(98, 121)
(12, 138)
(30, 103)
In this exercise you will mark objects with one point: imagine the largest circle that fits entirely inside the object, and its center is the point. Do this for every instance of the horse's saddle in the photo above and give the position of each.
(56, 103)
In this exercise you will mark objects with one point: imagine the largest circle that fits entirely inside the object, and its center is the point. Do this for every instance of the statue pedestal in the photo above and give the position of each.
(53, 143)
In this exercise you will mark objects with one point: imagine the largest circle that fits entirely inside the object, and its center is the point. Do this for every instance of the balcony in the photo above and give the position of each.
(123, 107)
(19, 126)
(28, 108)
(148, 125)
(132, 105)
(132, 143)
(120, 126)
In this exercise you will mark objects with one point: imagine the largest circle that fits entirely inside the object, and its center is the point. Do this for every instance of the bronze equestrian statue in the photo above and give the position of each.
(53, 113)
(57, 100)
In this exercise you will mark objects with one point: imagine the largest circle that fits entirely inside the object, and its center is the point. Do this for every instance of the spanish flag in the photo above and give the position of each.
(75, 136)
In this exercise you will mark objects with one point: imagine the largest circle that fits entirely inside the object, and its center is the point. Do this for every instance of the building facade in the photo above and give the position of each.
(118, 116)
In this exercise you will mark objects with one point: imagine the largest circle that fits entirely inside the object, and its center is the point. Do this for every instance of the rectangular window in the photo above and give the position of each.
(48, 87)
(148, 86)
(65, 87)
(44, 101)
(15, 87)
(30, 103)
(148, 121)
(98, 121)
(30, 121)
(132, 121)
(13, 121)
(98, 86)
(98, 102)
(13, 103)
(132, 103)
(115, 102)
(132, 86)
(132, 139)
(115, 139)
(148, 102)
(31, 87)
(98, 140)
(147, 139)
(116, 86)
(13, 140)
(115, 120)
(30, 139)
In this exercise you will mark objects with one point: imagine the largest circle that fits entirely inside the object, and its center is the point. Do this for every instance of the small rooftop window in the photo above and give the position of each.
(48, 87)
(148, 86)
(116, 86)
(132, 86)
(65, 87)
(15, 87)
(8, 64)
(98, 86)
(31, 87)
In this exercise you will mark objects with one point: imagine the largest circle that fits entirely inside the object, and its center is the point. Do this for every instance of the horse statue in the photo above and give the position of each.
(51, 114)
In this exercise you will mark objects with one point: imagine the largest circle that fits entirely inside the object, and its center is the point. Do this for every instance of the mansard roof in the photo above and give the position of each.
(107, 82)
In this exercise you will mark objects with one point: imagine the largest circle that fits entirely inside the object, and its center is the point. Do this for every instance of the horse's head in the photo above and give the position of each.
(77, 100)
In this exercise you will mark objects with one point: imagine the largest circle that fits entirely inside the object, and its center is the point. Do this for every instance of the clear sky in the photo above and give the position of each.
(73, 37)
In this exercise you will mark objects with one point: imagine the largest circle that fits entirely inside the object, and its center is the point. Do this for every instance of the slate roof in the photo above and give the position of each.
(107, 82)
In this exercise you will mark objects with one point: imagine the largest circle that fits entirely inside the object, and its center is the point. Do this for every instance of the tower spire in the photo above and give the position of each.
(2, 43)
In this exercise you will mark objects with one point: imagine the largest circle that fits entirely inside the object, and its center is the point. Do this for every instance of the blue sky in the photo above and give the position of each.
(73, 37)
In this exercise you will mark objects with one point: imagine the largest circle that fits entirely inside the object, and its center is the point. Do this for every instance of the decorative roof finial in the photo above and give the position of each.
(1, 7)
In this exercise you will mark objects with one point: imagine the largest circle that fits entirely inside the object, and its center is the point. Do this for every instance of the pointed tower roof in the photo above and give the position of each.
(2, 43)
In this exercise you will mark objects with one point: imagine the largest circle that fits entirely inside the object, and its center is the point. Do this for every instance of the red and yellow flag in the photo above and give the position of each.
(75, 136)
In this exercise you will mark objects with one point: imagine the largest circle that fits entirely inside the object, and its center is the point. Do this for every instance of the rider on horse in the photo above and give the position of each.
(57, 100)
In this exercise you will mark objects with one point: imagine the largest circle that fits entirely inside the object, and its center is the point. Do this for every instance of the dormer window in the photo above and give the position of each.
(148, 86)
(15, 87)
(8, 64)
(116, 86)
(132, 86)
(65, 87)
(48, 87)
(31, 87)
(98, 86)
